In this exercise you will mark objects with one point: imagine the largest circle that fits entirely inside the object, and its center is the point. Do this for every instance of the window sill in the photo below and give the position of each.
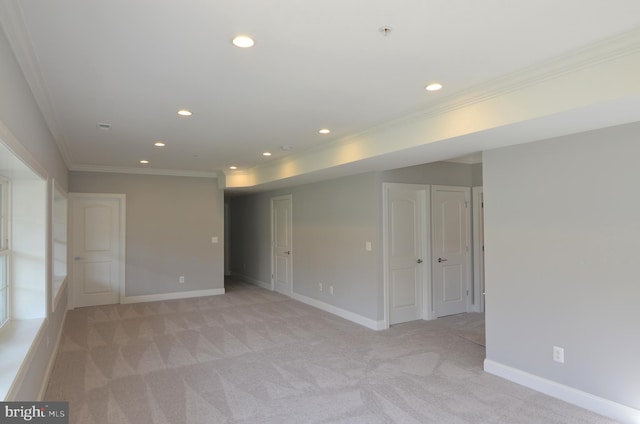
(17, 339)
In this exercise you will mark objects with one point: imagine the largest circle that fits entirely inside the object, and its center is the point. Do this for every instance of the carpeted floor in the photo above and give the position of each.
(253, 356)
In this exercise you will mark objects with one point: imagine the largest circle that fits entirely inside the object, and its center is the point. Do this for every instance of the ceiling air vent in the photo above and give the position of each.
(103, 126)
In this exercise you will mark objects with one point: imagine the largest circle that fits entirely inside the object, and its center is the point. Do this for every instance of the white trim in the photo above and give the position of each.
(342, 313)
(55, 297)
(52, 359)
(171, 296)
(144, 171)
(18, 37)
(478, 254)
(608, 408)
(334, 310)
(253, 281)
(427, 303)
(19, 340)
(11, 142)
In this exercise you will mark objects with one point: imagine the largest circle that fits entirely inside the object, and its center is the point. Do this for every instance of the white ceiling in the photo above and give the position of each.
(315, 64)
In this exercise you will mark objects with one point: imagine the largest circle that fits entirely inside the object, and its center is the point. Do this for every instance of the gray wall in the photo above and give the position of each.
(437, 173)
(20, 114)
(170, 222)
(332, 221)
(562, 237)
(476, 175)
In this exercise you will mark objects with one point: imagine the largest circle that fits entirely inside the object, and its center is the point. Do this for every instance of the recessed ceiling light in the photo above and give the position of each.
(185, 112)
(434, 86)
(233, 167)
(144, 161)
(243, 41)
(266, 154)
(324, 131)
(159, 144)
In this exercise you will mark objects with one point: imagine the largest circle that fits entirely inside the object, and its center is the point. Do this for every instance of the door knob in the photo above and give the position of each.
(77, 258)
(442, 260)
(419, 261)
(288, 252)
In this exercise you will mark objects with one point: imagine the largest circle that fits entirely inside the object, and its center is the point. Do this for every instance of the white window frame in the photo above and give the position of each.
(5, 250)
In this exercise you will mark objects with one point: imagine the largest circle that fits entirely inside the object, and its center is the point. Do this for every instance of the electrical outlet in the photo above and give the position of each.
(558, 354)
(181, 279)
(320, 286)
(331, 290)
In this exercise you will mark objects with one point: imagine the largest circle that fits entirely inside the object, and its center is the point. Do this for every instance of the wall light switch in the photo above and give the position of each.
(367, 246)
(214, 240)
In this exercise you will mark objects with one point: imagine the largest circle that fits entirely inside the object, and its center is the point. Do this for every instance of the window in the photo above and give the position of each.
(4, 251)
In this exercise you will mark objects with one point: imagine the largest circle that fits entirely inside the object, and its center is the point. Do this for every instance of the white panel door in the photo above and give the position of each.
(281, 235)
(450, 249)
(98, 246)
(406, 218)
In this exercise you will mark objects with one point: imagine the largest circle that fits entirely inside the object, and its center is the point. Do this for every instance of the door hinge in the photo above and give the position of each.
(466, 204)
(467, 292)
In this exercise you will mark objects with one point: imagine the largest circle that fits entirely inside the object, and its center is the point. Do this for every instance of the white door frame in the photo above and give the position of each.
(273, 257)
(122, 257)
(425, 237)
(478, 249)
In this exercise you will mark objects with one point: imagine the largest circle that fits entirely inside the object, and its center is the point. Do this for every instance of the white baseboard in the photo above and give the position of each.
(171, 296)
(616, 411)
(342, 313)
(251, 280)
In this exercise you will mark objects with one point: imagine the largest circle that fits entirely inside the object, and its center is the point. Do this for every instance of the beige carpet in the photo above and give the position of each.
(253, 356)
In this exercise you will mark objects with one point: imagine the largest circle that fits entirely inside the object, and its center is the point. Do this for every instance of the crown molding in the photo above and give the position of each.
(13, 145)
(575, 62)
(144, 171)
(607, 50)
(18, 36)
